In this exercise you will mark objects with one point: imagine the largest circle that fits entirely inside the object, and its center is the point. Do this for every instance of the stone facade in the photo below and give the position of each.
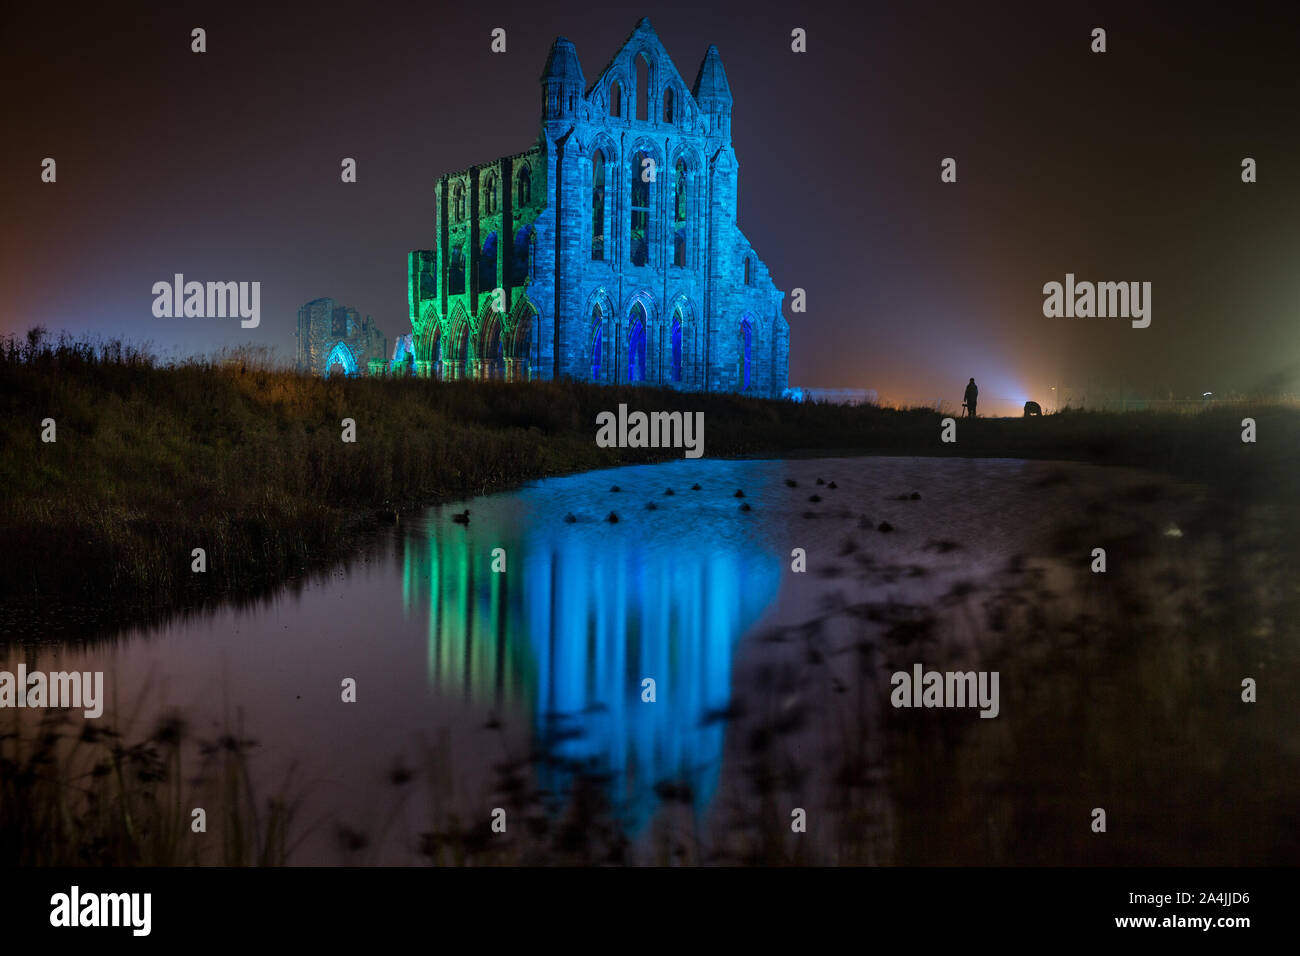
(612, 241)
(332, 335)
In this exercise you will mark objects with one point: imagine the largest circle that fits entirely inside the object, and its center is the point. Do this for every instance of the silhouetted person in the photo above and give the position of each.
(972, 395)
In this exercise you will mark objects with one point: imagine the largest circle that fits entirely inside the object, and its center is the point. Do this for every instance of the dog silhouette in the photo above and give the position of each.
(1033, 408)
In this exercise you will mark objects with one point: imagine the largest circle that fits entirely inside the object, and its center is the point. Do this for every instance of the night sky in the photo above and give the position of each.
(1119, 166)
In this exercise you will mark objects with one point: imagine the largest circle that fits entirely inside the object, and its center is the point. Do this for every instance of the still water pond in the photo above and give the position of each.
(462, 672)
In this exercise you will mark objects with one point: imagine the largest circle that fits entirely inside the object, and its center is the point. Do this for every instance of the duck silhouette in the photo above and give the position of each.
(612, 518)
(569, 518)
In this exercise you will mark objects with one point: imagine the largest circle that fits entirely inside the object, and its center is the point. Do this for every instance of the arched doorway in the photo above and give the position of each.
(340, 360)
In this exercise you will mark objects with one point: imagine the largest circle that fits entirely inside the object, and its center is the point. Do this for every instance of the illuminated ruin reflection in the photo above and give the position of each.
(584, 613)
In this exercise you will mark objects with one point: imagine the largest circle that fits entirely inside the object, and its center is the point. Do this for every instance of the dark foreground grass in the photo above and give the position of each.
(83, 794)
(247, 462)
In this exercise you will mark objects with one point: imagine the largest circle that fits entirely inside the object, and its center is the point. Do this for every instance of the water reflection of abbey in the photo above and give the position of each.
(568, 633)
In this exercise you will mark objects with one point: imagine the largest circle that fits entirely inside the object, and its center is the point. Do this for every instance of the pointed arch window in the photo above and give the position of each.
(456, 278)
(487, 265)
(636, 345)
(677, 346)
(342, 357)
(598, 205)
(679, 213)
(668, 105)
(524, 192)
(642, 87)
(596, 344)
(523, 262)
(746, 354)
(615, 99)
(640, 210)
(490, 195)
(458, 202)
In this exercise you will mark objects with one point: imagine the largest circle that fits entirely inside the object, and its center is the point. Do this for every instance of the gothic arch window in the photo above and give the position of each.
(523, 263)
(598, 205)
(490, 195)
(456, 279)
(746, 354)
(748, 278)
(524, 193)
(596, 342)
(642, 87)
(679, 213)
(677, 346)
(487, 265)
(668, 105)
(640, 210)
(636, 344)
(341, 357)
(458, 202)
(615, 99)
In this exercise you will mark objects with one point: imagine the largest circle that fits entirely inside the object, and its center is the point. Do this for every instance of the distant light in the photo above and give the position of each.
(1206, 394)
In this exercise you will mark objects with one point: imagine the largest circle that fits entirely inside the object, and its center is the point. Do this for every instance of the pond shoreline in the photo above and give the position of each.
(152, 462)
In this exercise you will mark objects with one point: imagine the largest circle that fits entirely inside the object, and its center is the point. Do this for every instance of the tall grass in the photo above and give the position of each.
(83, 794)
(244, 459)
